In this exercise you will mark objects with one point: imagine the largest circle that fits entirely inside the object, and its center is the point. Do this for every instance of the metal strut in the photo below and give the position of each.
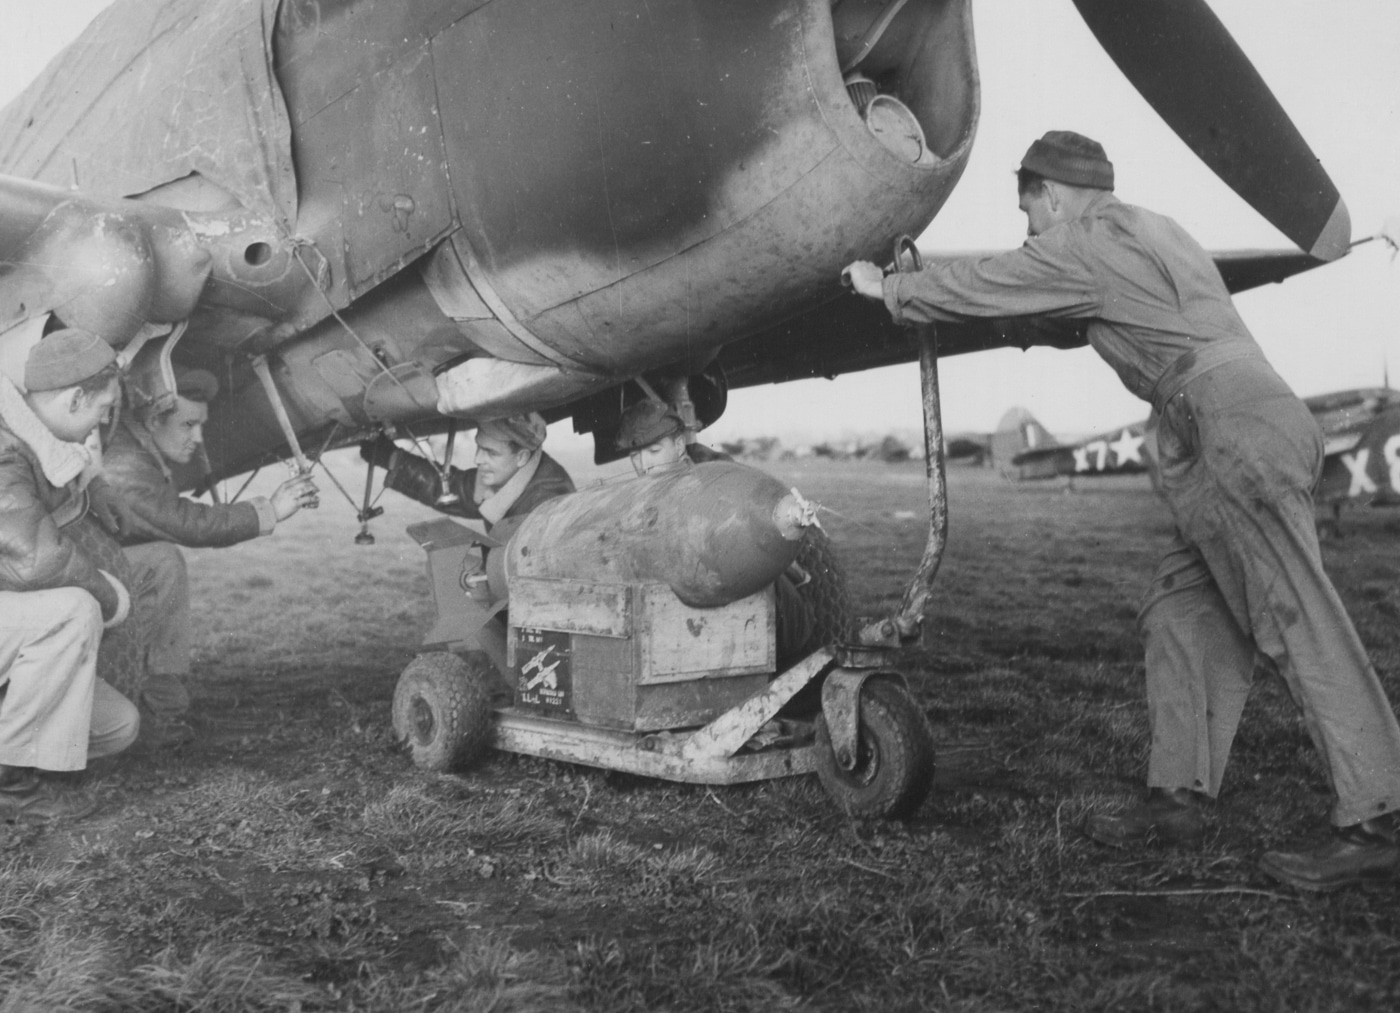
(446, 497)
(368, 511)
(259, 363)
(905, 624)
(914, 605)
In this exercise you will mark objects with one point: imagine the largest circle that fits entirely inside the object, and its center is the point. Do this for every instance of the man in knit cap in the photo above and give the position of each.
(1239, 455)
(137, 464)
(55, 714)
(513, 475)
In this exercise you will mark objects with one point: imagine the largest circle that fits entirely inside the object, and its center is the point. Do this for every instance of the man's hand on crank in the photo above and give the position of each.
(294, 494)
(866, 278)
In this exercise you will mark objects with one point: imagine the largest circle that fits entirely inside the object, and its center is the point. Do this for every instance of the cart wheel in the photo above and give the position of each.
(894, 764)
(442, 709)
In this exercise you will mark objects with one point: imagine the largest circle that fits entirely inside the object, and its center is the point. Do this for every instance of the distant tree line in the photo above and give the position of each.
(888, 449)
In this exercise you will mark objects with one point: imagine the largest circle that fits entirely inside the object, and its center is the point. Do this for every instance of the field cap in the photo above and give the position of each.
(646, 422)
(196, 384)
(66, 358)
(526, 431)
(1067, 157)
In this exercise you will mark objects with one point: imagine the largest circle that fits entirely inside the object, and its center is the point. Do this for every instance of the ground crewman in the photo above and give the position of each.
(137, 464)
(657, 441)
(1239, 455)
(513, 475)
(55, 714)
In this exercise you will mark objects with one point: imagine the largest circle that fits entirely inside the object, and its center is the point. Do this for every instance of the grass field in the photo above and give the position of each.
(293, 859)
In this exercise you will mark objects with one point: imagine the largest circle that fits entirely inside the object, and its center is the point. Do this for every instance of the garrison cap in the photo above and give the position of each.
(196, 384)
(66, 358)
(646, 422)
(526, 431)
(1067, 157)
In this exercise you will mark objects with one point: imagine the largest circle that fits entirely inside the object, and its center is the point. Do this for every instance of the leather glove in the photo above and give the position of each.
(379, 452)
(109, 509)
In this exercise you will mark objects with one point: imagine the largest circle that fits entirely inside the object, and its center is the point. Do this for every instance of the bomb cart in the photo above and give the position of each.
(636, 627)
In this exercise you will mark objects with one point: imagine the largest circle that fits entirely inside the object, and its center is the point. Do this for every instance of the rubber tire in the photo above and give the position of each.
(894, 766)
(442, 710)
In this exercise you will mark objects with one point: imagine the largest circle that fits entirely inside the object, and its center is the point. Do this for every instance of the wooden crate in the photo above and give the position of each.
(633, 656)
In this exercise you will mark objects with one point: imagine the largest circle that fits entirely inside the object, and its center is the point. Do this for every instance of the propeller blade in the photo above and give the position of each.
(1183, 61)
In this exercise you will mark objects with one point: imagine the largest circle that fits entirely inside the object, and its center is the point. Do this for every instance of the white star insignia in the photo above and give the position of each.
(1127, 448)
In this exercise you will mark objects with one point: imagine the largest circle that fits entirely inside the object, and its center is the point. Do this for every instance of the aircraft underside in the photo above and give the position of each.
(357, 213)
(474, 209)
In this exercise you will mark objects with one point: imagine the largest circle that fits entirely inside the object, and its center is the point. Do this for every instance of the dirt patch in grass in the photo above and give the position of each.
(292, 858)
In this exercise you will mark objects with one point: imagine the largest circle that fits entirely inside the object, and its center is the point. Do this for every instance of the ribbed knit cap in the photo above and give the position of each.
(1067, 157)
(66, 358)
(526, 431)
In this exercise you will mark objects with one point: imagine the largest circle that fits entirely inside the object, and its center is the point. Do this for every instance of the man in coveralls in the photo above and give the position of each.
(1239, 455)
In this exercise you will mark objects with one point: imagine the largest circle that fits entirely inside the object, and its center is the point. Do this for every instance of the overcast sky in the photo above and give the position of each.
(1334, 65)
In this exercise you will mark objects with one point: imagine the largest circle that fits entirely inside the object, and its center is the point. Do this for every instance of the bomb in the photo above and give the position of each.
(713, 532)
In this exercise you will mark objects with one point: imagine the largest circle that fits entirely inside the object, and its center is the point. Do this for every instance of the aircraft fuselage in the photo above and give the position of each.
(566, 194)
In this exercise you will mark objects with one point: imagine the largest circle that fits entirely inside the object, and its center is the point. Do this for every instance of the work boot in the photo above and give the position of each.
(169, 734)
(1169, 816)
(24, 796)
(17, 779)
(1363, 852)
(163, 731)
(164, 693)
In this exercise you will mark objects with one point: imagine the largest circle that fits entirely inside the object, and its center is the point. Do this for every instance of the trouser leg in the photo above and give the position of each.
(161, 566)
(115, 722)
(492, 640)
(48, 663)
(1242, 497)
(1199, 669)
(1300, 622)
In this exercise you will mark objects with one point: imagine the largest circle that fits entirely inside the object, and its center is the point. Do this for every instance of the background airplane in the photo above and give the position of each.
(1360, 428)
(1029, 452)
(369, 213)
(1362, 433)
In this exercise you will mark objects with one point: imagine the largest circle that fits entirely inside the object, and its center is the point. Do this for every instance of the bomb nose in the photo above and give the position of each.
(793, 515)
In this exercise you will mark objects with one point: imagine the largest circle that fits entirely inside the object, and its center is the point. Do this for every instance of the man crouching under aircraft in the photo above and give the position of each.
(1239, 455)
(55, 714)
(513, 475)
(658, 442)
(137, 465)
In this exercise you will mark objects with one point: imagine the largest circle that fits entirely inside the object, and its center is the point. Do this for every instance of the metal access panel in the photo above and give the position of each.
(637, 658)
(383, 131)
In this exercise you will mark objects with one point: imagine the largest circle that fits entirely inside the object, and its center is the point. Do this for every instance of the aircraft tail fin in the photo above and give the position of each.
(1017, 433)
